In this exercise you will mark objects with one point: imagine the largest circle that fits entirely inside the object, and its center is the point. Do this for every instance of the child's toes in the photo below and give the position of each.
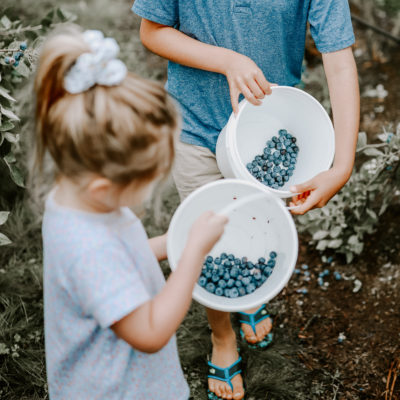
(249, 334)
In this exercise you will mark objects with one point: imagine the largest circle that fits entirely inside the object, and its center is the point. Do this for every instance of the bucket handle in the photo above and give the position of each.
(232, 206)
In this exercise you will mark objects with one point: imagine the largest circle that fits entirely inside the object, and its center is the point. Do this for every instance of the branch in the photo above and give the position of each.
(5, 32)
(375, 28)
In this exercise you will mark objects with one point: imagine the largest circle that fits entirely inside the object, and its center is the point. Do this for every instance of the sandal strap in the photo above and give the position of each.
(225, 374)
(254, 318)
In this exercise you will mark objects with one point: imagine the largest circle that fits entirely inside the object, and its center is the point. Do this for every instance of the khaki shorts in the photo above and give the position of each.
(194, 166)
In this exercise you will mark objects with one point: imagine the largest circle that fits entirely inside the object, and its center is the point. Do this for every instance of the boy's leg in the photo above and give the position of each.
(194, 167)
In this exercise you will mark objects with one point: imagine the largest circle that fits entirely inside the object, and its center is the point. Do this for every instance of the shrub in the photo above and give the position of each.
(354, 212)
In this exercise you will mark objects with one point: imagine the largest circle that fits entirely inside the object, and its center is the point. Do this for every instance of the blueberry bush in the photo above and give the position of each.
(342, 224)
(18, 53)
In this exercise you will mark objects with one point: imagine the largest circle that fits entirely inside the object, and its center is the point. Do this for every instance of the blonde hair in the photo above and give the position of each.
(123, 133)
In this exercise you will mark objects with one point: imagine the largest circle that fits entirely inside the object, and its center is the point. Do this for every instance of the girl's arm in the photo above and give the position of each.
(242, 73)
(158, 245)
(149, 327)
(341, 74)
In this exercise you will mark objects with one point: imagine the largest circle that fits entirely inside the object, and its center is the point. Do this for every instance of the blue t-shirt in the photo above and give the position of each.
(97, 269)
(271, 33)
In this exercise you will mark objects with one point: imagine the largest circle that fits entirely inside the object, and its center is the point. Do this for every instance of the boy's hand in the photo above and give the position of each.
(245, 77)
(206, 231)
(316, 192)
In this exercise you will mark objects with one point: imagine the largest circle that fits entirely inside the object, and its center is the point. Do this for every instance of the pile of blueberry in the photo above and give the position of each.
(276, 165)
(233, 277)
(14, 60)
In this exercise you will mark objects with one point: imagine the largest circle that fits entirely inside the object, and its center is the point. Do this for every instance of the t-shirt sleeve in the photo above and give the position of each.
(163, 12)
(107, 284)
(330, 25)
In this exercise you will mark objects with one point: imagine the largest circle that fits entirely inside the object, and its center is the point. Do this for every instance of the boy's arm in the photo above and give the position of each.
(158, 245)
(242, 73)
(150, 326)
(341, 74)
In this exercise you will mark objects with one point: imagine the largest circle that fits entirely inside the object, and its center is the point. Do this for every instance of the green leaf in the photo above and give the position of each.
(335, 244)
(353, 240)
(4, 240)
(3, 216)
(65, 15)
(372, 151)
(6, 126)
(10, 137)
(322, 245)
(319, 235)
(372, 214)
(15, 172)
(8, 113)
(362, 139)
(335, 232)
(349, 256)
(6, 95)
(5, 22)
(23, 70)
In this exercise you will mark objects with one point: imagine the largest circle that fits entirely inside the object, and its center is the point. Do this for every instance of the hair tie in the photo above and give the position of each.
(99, 67)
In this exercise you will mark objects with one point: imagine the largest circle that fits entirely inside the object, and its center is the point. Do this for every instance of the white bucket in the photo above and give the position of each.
(253, 231)
(245, 136)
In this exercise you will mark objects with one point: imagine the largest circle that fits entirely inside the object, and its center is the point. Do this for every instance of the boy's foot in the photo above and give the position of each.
(224, 354)
(262, 328)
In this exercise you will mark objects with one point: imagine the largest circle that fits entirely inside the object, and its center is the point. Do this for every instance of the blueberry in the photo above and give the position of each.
(234, 272)
(209, 259)
(277, 161)
(221, 272)
(239, 277)
(215, 277)
(285, 178)
(231, 257)
(282, 132)
(234, 293)
(263, 279)
(219, 291)
(246, 280)
(210, 287)
(283, 152)
(257, 275)
(261, 260)
(273, 254)
(7, 60)
(279, 146)
(23, 46)
(245, 272)
(271, 263)
(242, 291)
(275, 139)
(249, 166)
(276, 154)
(217, 261)
(290, 172)
(293, 139)
(202, 281)
(223, 256)
(222, 283)
(264, 157)
(18, 55)
(250, 288)
(295, 149)
(337, 275)
(267, 272)
(227, 264)
(227, 276)
(304, 266)
(227, 292)
(230, 283)
(208, 275)
(264, 168)
(16, 63)
(238, 283)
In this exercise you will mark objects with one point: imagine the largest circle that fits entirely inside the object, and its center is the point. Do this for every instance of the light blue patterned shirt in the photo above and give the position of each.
(271, 32)
(97, 269)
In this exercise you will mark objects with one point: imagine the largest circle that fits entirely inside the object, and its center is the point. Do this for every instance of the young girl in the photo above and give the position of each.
(110, 317)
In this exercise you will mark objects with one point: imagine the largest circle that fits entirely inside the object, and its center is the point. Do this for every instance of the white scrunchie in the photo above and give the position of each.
(98, 67)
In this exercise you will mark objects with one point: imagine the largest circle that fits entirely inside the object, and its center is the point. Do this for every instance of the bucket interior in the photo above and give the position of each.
(298, 113)
(253, 231)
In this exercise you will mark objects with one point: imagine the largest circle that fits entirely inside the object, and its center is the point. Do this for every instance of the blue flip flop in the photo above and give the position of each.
(224, 375)
(253, 320)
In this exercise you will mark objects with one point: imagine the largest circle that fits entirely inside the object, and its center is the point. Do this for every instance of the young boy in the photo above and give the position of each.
(221, 49)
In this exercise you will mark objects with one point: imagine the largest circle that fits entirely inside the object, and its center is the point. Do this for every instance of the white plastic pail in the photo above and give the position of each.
(245, 136)
(253, 231)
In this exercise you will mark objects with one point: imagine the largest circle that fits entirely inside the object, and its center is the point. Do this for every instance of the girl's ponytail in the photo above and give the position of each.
(58, 54)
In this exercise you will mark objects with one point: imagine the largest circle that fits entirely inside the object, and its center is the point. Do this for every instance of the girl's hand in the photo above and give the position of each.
(245, 77)
(316, 192)
(206, 231)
